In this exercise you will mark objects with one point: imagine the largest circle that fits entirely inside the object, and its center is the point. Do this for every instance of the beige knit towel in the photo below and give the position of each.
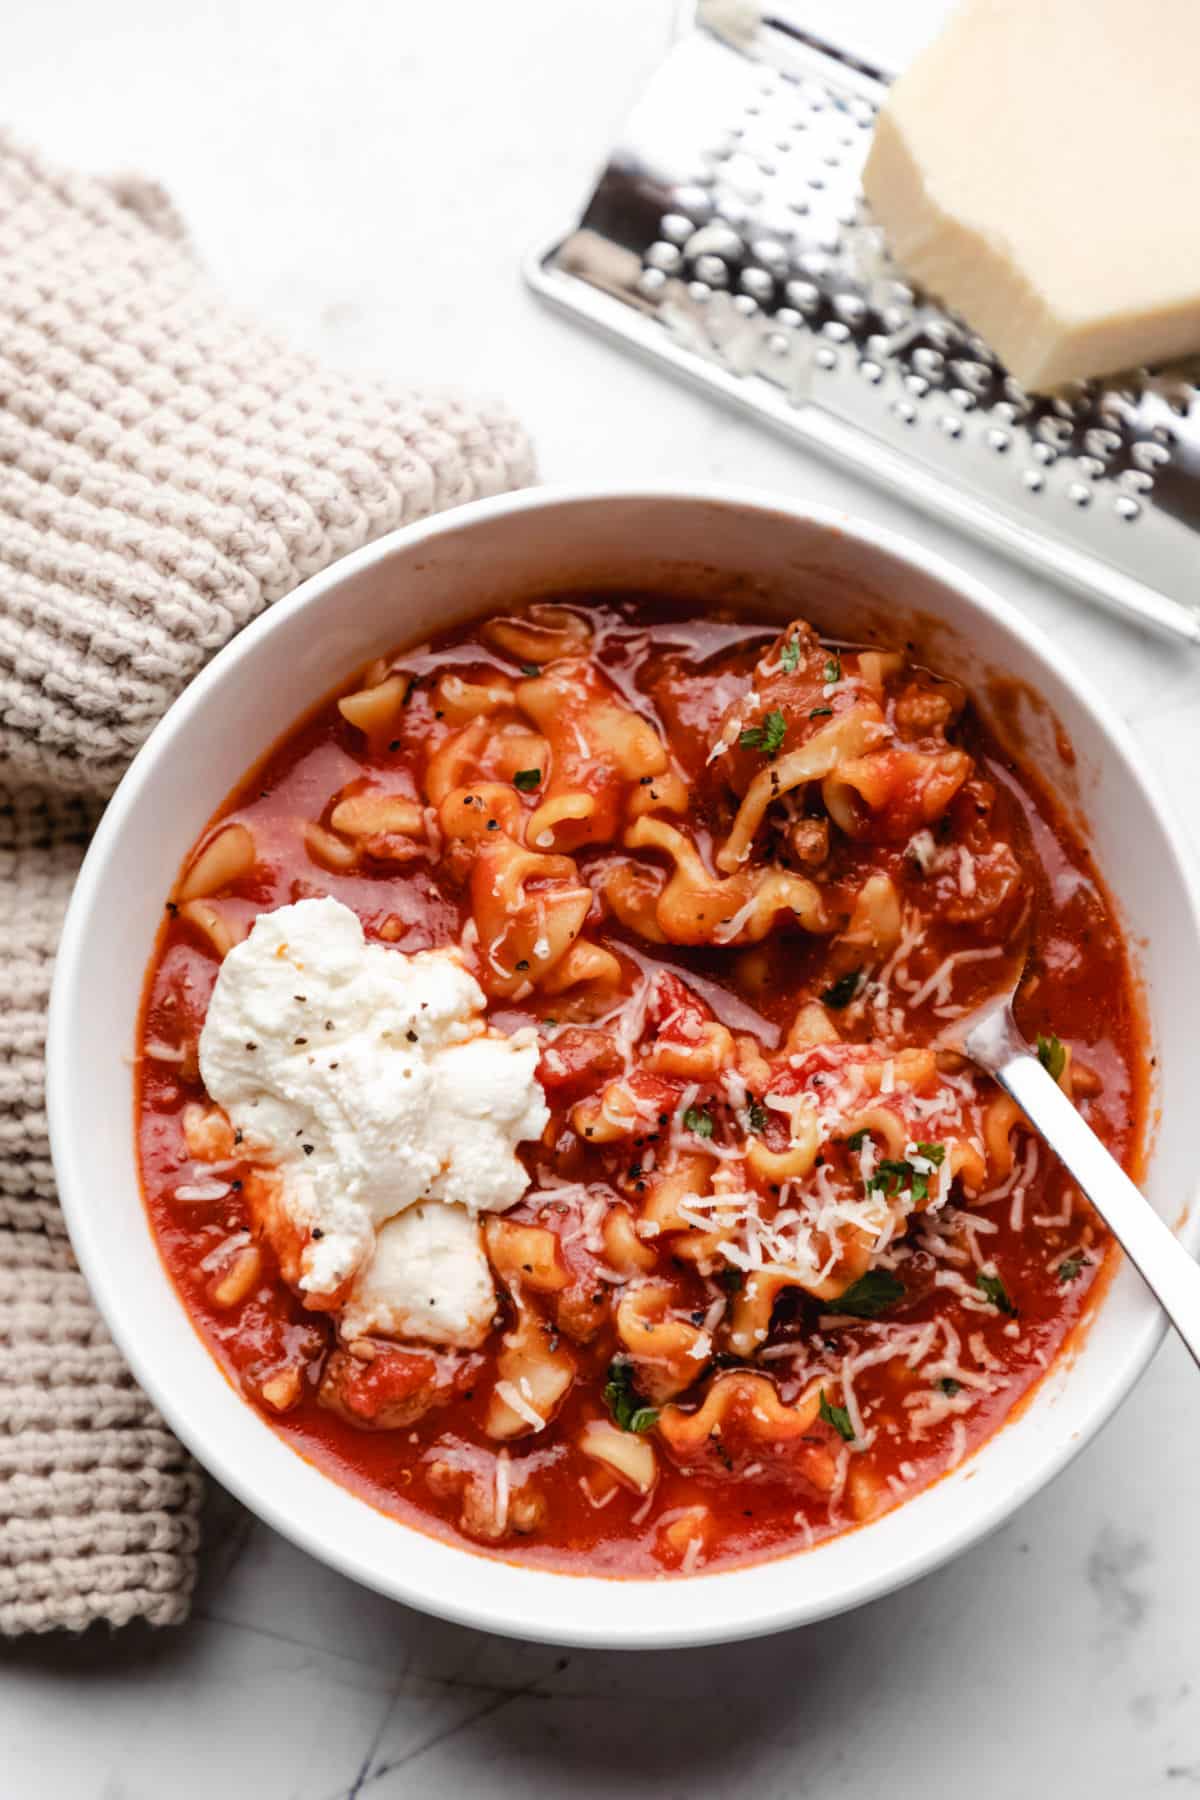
(167, 469)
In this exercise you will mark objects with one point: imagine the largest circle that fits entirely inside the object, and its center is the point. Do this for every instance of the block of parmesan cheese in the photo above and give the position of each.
(1034, 169)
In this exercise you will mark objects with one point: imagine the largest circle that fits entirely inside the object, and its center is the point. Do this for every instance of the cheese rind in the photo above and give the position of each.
(1026, 169)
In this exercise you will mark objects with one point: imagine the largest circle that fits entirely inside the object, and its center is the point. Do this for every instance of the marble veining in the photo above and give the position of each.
(369, 175)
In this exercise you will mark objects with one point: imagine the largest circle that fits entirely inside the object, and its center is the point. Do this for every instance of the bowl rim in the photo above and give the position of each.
(200, 1437)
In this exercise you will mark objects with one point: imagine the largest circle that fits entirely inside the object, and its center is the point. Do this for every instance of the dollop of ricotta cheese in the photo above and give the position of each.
(429, 1279)
(368, 1078)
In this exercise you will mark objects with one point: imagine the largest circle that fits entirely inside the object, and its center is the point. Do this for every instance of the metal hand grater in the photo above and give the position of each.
(728, 239)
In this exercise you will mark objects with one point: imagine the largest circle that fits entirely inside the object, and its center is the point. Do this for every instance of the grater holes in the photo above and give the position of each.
(1099, 441)
(1054, 431)
(1148, 456)
(715, 239)
(694, 201)
(771, 254)
(732, 208)
(805, 296)
(976, 376)
(851, 309)
(757, 283)
(664, 256)
(938, 332)
(712, 270)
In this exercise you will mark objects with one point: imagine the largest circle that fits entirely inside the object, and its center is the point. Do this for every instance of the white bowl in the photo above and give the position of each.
(852, 580)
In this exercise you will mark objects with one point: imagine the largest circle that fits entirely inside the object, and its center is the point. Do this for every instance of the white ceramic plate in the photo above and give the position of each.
(853, 581)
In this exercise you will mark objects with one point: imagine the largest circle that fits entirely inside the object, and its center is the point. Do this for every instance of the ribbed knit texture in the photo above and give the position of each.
(168, 468)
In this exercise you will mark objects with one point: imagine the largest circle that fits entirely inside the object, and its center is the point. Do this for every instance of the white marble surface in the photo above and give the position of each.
(369, 173)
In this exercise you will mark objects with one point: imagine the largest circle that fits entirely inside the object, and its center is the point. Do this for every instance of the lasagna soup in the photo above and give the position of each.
(541, 1103)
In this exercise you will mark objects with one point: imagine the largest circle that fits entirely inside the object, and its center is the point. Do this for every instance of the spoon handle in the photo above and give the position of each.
(1163, 1263)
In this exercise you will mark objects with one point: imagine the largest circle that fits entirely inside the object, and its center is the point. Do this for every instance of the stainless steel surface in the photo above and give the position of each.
(991, 1039)
(728, 241)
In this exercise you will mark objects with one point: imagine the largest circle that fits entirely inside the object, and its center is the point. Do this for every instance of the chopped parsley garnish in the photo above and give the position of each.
(856, 1140)
(531, 669)
(892, 1176)
(993, 1289)
(821, 712)
(756, 1116)
(949, 1386)
(732, 1280)
(833, 669)
(774, 732)
(1051, 1054)
(837, 1416)
(841, 992)
(1070, 1266)
(697, 1120)
(767, 737)
(789, 656)
(934, 1153)
(527, 780)
(623, 1401)
(870, 1295)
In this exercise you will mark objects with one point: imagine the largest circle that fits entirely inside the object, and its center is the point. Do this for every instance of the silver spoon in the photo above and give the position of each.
(989, 1037)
